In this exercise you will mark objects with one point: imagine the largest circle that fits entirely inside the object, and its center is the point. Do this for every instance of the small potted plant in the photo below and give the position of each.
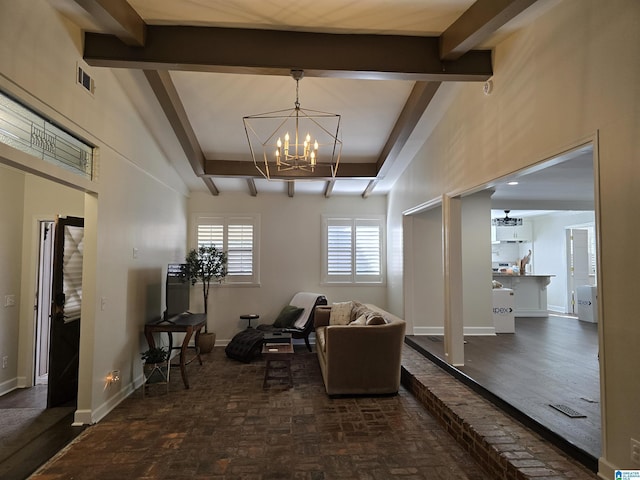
(155, 364)
(205, 264)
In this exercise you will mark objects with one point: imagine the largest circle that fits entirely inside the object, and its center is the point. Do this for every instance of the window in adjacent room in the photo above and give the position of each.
(353, 249)
(236, 235)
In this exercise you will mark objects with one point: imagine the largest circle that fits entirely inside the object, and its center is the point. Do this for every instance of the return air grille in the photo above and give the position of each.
(85, 80)
(570, 412)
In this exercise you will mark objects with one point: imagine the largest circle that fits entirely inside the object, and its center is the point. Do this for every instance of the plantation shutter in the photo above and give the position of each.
(237, 236)
(240, 249)
(211, 235)
(368, 249)
(339, 250)
(353, 250)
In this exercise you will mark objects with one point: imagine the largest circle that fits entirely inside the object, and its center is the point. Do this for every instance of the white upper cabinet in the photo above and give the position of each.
(519, 233)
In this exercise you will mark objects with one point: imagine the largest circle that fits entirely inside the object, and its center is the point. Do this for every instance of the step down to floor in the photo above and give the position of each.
(504, 447)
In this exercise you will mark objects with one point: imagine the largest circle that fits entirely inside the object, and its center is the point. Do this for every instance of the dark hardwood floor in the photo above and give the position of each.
(38, 434)
(547, 361)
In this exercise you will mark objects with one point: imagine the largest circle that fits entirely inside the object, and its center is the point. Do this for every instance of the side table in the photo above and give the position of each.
(249, 317)
(277, 352)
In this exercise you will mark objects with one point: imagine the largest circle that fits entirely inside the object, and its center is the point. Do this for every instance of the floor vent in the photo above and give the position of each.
(570, 412)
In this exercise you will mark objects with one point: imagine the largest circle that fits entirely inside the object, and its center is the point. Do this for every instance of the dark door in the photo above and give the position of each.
(65, 322)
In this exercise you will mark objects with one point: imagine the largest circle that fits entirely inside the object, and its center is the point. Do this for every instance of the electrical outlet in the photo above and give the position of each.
(635, 451)
(5, 361)
(9, 300)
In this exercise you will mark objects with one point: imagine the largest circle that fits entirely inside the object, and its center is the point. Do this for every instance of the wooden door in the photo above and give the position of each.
(65, 322)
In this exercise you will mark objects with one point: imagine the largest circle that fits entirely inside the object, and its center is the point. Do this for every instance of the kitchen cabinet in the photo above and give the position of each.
(519, 233)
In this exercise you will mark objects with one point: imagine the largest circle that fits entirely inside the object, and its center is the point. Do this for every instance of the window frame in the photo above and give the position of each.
(226, 220)
(353, 277)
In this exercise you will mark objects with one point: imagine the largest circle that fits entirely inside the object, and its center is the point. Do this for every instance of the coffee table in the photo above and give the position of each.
(277, 352)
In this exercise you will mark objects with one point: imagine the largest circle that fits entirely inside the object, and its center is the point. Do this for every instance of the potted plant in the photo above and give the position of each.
(156, 364)
(206, 264)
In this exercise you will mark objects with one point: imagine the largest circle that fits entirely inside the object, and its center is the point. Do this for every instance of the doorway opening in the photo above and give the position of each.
(43, 303)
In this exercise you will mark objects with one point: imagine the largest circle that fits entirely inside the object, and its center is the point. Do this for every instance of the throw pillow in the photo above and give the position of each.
(361, 320)
(288, 316)
(340, 313)
(359, 310)
(375, 319)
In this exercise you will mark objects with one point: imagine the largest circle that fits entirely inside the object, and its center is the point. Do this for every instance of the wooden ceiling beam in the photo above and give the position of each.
(238, 168)
(418, 101)
(476, 24)
(328, 190)
(117, 17)
(237, 50)
(166, 93)
(251, 183)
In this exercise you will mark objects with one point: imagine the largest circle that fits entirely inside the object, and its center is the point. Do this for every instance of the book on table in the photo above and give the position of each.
(277, 338)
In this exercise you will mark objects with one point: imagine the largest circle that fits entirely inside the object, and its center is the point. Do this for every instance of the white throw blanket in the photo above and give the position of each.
(304, 300)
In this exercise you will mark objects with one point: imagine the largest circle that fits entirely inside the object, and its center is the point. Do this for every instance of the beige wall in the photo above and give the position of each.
(290, 255)
(136, 200)
(11, 216)
(572, 76)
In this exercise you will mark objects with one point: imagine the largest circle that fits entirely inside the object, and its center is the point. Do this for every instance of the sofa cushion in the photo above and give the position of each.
(287, 317)
(321, 337)
(340, 313)
(361, 320)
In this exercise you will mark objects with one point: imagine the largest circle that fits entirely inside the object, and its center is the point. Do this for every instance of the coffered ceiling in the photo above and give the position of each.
(378, 63)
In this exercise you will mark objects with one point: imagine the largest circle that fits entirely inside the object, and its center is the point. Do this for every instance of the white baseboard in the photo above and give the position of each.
(89, 417)
(82, 417)
(606, 471)
(468, 331)
(8, 386)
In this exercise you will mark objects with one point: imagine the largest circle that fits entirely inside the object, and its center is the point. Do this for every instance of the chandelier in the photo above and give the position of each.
(301, 142)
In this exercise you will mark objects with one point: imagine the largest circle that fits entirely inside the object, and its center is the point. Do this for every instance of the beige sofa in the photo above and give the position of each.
(359, 358)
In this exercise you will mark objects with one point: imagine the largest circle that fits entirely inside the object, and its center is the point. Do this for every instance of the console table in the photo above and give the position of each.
(187, 323)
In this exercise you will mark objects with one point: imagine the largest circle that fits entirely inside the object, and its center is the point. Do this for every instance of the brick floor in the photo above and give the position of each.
(227, 427)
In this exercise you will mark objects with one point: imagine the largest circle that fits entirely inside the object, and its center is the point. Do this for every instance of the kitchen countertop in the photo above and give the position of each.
(503, 274)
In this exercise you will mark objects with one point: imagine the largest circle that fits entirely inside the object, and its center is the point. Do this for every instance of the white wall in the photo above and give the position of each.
(423, 270)
(477, 305)
(136, 199)
(569, 78)
(290, 255)
(551, 248)
(11, 214)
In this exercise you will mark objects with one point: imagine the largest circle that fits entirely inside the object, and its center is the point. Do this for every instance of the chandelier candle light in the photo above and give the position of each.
(313, 144)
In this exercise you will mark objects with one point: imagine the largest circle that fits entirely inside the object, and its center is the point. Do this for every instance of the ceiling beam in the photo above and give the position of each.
(237, 50)
(117, 17)
(418, 101)
(328, 190)
(477, 23)
(167, 95)
(252, 187)
(238, 168)
(369, 190)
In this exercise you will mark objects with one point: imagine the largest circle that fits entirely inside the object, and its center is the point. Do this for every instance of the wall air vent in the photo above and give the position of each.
(507, 221)
(85, 80)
